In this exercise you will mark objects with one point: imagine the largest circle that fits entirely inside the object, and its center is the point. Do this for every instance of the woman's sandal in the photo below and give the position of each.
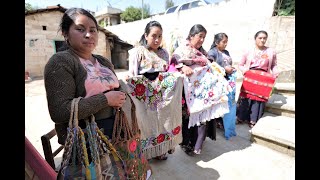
(251, 124)
(161, 157)
(197, 152)
(219, 125)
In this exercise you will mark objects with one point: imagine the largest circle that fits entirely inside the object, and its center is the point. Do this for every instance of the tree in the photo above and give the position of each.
(133, 14)
(169, 3)
(146, 11)
(28, 7)
(284, 8)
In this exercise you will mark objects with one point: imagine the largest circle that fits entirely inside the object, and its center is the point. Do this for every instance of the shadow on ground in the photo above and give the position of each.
(182, 166)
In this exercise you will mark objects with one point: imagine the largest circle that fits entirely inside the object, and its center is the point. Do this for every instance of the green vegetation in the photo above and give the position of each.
(28, 7)
(133, 14)
(284, 8)
(102, 24)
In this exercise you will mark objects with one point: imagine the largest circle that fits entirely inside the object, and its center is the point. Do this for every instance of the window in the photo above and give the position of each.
(60, 45)
(171, 10)
(184, 7)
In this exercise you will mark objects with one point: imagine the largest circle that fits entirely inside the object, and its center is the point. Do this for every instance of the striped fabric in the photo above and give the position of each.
(257, 85)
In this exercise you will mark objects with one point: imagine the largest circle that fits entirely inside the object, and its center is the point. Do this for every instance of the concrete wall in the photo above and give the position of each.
(39, 43)
(239, 19)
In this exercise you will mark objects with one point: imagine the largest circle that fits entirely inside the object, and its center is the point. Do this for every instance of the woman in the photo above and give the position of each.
(152, 90)
(260, 61)
(205, 90)
(149, 58)
(77, 72)
(220, 55)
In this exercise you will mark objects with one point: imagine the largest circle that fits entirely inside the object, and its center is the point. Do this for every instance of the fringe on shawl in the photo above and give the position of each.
(162, 148)
(215, 111)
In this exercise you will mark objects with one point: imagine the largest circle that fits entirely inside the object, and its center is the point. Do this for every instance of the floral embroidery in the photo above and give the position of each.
(196, 83)
(152, 60)
(139, 90)
(161, 138)
(151, 92)
(176, 130)
(133, 145)
(100, 74)
(264, 56)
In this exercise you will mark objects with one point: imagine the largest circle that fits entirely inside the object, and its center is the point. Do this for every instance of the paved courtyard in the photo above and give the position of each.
(222, 159)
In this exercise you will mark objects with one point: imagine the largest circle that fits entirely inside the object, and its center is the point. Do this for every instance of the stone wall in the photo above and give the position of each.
(40, 43)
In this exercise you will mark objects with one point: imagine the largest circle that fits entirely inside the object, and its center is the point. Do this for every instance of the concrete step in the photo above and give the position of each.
(287, 76)
(275, 132)
(284, 88)
(281, 104)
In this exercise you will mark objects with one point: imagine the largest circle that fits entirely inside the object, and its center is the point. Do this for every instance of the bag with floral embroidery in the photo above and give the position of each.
(127, 142)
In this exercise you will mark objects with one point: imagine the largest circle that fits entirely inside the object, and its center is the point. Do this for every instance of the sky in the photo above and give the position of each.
(156, 6)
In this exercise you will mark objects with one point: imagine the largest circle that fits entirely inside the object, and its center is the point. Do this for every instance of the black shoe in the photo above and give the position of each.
(187, 149)
(171, 151)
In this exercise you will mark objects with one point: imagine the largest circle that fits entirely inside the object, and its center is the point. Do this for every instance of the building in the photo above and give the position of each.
(42, 40)
(108, 16)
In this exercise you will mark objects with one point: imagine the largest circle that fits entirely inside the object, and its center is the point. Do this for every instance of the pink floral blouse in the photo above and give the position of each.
(265, 60)
(99, 78)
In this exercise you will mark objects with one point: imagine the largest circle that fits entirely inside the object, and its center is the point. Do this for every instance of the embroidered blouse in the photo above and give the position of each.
(141, 61)
(265, 60)
(188, 55)
(99, 78)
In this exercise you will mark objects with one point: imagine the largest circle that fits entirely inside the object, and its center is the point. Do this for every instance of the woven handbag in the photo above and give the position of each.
(127, 142)
(87, 151)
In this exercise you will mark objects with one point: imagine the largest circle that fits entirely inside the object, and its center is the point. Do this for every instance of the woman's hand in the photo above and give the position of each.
(115, 98)
(186, 70)
(229, 69)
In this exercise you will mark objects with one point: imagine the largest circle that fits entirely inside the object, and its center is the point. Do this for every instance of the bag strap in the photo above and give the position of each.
(135, 127)
(121, 128)
(72, 133)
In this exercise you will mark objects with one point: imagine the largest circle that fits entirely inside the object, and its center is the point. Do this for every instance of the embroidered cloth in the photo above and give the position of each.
(206, 93)
(158, 111)
(257, 85)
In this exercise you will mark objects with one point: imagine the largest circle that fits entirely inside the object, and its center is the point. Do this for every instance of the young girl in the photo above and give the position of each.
(220, 55)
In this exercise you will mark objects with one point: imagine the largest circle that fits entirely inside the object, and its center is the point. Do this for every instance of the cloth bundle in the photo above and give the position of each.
(257, 85)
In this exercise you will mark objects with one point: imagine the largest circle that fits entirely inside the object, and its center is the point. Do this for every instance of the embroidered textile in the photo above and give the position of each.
(229, 119)
(158, 111)
(141, 60)
(257, 85)
(206, 93)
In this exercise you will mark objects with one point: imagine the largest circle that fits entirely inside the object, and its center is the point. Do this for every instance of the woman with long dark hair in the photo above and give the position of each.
(205, 90)
(151, 89)
(219, 54)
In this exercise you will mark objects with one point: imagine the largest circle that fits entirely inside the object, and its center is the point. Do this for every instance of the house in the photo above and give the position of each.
(108, 16)
(42, 40)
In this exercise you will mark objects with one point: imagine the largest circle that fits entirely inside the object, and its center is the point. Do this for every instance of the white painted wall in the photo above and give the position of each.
(239, 19)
